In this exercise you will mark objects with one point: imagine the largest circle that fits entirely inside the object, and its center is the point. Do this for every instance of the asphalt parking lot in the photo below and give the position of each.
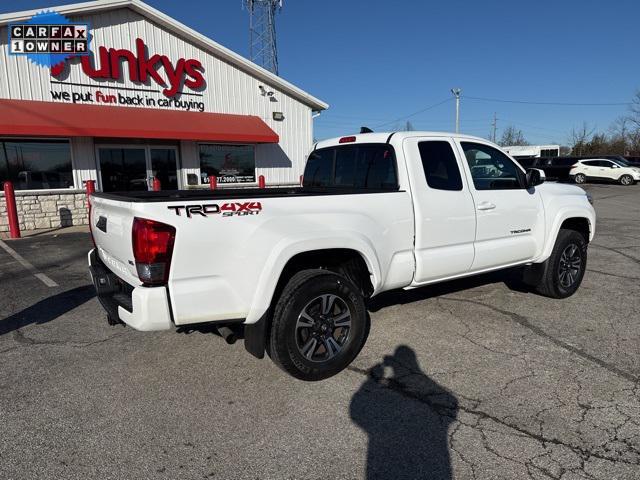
(469, 379)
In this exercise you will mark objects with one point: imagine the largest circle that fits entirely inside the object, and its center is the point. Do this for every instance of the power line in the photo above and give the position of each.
(528, 125)
(563, 104)
(415, 113)
(360, 118)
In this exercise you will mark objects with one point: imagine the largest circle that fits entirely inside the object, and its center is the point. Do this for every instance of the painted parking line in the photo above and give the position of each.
(34, 271)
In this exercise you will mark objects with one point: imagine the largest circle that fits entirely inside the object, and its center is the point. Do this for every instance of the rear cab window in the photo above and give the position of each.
(365, 166)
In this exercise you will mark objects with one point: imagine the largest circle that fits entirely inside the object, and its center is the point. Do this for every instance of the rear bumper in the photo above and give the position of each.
(143, 308)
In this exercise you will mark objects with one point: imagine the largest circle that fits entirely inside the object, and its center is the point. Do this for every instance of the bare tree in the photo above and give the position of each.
(512, 136)
(620, 133)
(579, 137)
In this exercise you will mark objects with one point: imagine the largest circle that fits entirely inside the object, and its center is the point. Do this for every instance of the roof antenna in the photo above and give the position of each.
(365, 130)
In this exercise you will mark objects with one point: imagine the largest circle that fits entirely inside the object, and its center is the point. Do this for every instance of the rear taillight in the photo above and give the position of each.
(152, 249)
(347, 140)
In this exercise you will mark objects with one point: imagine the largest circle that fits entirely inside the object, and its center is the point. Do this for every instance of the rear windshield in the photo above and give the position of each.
(363, 166)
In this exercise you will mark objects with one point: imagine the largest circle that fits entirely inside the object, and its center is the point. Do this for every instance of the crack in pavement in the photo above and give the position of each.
(616, 250)
(523, 321)
(447, 410)
(612, 274)
(20, 338)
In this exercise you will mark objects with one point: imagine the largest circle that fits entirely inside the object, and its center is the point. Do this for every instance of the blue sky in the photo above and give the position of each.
(375, 62)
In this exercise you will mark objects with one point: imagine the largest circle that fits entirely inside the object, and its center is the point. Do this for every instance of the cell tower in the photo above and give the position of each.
(262, 32)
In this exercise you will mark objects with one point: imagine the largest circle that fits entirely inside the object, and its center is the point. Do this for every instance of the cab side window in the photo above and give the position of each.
(491, 169)
(440, 165)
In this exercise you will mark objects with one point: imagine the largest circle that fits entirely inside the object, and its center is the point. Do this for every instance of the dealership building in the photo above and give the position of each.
(150, 98)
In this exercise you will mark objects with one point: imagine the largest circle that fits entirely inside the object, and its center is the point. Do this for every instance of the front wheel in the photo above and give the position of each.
(626, 180)
(565, 267)
(319, 325)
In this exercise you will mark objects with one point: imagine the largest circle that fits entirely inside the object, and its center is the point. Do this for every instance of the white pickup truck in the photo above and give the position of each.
(292, 269)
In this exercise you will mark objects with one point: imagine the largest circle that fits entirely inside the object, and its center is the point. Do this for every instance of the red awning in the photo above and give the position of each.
(49, 119)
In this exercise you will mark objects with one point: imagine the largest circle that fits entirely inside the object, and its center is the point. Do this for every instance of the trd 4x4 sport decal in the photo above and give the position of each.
(226, 209)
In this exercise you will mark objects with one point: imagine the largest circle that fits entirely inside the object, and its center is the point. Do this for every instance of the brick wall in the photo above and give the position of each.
(47, 210)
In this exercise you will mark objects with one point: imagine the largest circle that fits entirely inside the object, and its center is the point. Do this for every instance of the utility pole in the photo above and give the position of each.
(456, 93)
(495, 126)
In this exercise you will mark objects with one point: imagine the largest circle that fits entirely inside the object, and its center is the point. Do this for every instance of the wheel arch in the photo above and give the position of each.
(355, 262)
(354, 258)
(574, 220)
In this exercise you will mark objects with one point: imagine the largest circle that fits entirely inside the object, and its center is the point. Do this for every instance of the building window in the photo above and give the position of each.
(36, 165)
(229, 163)
(549, 152)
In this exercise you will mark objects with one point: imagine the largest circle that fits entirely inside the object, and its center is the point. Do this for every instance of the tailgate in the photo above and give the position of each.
(111, 222)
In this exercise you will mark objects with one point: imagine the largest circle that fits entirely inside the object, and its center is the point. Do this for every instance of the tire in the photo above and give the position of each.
(309, 337)
(580, 178)
(626, 180)
(565, 267)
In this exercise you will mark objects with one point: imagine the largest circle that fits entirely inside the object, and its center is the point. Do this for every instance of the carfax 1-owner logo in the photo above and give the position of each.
(49, 38)
(52, 41)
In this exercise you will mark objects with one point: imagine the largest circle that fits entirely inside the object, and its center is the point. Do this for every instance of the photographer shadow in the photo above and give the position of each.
(406, 416)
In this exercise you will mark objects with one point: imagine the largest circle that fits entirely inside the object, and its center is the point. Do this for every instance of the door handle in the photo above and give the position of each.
(486, 206)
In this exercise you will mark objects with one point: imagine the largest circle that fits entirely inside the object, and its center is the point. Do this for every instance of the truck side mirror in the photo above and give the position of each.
(535, 177)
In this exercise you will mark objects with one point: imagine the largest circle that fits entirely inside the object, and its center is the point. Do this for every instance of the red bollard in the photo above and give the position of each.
(91, 188)
(156, 184)
(301, 179)
(261, 183)
(12, 210)
(213, 182)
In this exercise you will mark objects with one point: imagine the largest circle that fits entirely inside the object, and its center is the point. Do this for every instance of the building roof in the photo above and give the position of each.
(187, 33)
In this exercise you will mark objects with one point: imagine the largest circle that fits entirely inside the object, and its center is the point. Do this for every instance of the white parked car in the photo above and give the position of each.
(604, 169)
(293, 268)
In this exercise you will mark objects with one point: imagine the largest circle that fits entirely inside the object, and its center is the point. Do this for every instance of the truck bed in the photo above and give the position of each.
(188, 195)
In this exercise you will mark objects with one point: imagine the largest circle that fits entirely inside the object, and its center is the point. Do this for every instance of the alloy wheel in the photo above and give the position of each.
(570, 265)
(323, 327)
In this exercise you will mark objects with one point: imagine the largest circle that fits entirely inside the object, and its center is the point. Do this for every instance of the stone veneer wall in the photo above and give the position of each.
(47, 209)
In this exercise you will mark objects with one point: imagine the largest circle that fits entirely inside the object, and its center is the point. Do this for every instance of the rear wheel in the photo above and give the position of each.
(565, 267)
(319, 325)
(580, 178)
(626, 180)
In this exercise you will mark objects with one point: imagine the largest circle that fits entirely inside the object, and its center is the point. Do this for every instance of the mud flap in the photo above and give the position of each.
(534, 273)
(255, 337)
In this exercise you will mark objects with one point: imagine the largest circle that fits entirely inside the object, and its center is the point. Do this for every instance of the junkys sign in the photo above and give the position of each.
(109, 63)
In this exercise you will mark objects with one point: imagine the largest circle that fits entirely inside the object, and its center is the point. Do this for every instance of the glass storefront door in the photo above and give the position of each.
(126, 168)
(163, 167)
